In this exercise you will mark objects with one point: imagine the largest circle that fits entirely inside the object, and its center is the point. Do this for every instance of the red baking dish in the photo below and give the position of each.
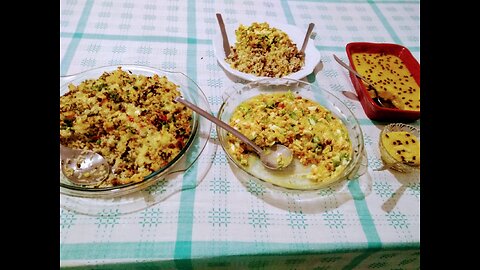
(372, 110)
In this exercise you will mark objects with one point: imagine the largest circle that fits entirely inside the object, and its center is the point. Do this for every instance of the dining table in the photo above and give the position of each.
(205, 216)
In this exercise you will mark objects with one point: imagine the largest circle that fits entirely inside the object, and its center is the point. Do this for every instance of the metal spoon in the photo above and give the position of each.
(377, 98)
(275, 157)
(83, 167)
(307, 36)
(226, 45)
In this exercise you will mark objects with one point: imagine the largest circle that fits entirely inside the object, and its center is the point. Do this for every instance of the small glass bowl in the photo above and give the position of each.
(189, 90)
(293, 178)
(388, 160)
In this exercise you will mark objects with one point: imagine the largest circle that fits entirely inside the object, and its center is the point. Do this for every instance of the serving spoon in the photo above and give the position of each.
(83, 167)
(377, 98)
(275, 157)
(226, 45)
(305, 40)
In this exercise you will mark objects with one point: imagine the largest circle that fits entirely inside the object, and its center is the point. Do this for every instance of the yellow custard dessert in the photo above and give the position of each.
(391, 78)
(403, 146)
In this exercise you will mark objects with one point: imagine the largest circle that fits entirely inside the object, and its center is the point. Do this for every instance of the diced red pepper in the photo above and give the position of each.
(162, 117)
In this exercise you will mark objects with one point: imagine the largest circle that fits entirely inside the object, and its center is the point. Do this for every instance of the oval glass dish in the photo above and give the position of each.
(188, 89)
(294, 177)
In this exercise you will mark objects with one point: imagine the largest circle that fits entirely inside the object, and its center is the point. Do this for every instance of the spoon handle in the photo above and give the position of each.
(226, 45)
(307, 36)
(220, 123)
(377, 97)
(343, 64)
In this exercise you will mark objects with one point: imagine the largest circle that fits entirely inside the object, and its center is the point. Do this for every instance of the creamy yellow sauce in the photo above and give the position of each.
(403, 146)
(391, 78)
(318, 139)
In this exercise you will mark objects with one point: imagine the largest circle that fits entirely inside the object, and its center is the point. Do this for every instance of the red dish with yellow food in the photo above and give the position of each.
(394, 71)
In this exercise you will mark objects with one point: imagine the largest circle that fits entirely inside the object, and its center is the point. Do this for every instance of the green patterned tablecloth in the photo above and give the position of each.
(373, 222)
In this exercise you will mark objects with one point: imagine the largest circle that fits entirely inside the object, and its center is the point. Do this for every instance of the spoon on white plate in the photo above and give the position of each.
(305, 40)
(226, 45)
(275, 157)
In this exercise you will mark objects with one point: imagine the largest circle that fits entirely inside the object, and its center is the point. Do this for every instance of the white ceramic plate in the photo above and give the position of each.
(312, 55)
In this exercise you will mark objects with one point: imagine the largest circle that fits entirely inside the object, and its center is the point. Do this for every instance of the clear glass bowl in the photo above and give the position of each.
(388, 160)
(293, 177)
(189, 90)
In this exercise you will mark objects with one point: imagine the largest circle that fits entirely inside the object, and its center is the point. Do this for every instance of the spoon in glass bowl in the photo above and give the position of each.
(83, 167)
(275, 157)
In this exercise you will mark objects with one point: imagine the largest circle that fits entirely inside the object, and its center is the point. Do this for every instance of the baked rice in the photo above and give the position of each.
(264, 51)
(132, 120)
